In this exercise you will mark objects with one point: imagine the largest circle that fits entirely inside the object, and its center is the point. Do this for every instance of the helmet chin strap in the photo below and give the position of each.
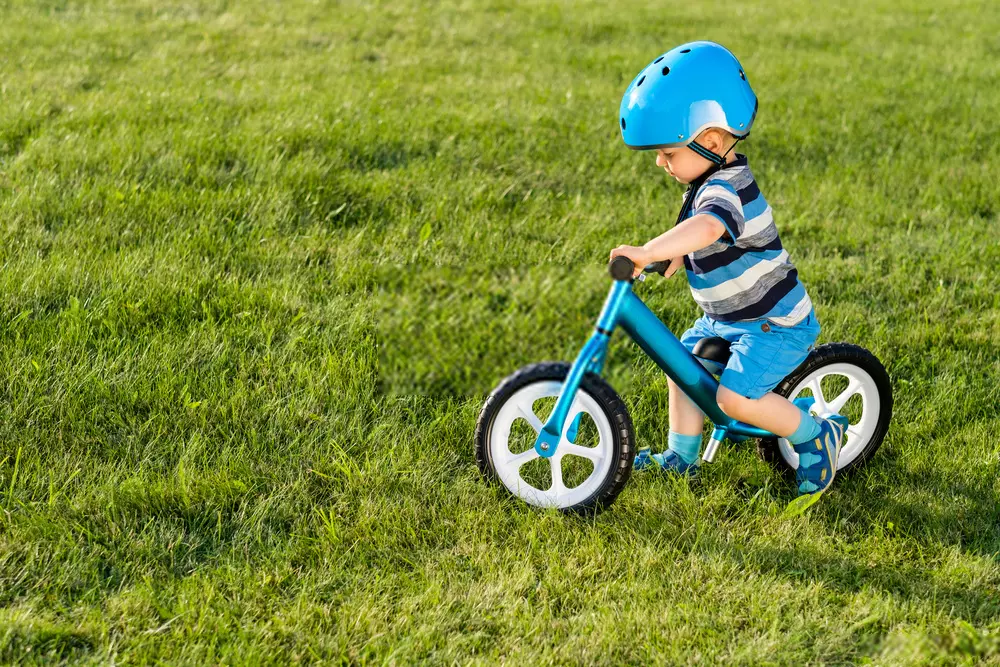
(711, 156)
(717, 162)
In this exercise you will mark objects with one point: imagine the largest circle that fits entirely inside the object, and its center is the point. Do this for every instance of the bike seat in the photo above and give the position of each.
(713, 349)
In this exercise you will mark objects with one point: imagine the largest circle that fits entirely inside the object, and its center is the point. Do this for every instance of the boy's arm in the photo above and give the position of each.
(695, 233)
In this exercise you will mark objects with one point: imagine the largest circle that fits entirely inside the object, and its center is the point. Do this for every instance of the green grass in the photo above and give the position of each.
(261, 263)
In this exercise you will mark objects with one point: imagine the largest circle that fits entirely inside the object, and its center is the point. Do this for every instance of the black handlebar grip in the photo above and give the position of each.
(621, 268)
(657, 267)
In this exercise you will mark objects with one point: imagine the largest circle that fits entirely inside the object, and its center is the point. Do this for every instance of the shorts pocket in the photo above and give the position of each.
(804, 333)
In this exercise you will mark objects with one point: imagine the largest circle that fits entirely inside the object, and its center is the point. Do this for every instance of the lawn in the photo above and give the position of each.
(262, 263)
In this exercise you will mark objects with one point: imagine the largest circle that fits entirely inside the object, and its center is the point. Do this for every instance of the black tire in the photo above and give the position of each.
(623, 435)
(825, 355)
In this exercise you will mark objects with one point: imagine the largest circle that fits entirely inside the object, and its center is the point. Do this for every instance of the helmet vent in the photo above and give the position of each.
(685, 50)
(666, 71)
(623, 122)
(640, 82)
(658, 60)
(742, 75)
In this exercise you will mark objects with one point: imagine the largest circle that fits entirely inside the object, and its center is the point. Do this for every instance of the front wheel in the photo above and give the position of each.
(842, 379)
(587, 472)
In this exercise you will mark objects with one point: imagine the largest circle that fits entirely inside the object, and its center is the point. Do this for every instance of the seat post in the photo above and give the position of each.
(718, 435)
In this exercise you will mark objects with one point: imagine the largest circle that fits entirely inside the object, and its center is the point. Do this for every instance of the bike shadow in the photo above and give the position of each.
(891, 527)
(933, 507)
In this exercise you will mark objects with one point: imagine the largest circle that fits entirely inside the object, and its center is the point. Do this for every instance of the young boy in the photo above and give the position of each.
(692, 105)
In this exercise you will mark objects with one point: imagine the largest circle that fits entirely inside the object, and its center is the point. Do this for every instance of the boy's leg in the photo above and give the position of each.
(761, 359)
(686, 418)
(762, 355)
(816, 441)
(684, 439)
(771, 412)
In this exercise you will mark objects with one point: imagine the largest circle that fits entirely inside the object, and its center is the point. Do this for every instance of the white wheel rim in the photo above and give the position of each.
(860, 431)
(508, 464)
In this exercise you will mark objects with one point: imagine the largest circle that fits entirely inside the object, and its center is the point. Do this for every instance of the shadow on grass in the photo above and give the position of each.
(43, 643)
(917, 509)
(933, 506)
(852, 576)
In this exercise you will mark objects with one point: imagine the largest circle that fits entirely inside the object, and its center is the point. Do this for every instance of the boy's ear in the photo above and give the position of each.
(713, 140)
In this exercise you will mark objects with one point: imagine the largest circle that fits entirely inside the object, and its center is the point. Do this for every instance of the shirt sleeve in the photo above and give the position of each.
(719, 199)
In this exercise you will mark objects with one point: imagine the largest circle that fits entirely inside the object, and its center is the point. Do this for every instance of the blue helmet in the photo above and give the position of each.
(688, 89)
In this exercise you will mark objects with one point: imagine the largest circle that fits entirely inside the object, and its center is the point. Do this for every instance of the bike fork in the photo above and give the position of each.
(590, 359)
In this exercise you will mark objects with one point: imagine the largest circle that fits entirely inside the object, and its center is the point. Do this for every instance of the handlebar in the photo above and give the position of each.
(658, 267)
(621, 268)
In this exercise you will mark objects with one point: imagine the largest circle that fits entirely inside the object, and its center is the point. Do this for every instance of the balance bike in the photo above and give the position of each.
(557, 435)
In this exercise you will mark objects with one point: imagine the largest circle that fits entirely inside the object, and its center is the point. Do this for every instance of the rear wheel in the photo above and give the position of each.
(844, 379)
(585, 474)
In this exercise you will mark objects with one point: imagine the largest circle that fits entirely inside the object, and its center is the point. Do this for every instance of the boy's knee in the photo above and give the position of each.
(731, 403)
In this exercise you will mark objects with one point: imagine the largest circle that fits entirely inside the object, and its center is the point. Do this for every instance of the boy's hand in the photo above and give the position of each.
(675, 263)
(639, 256)
(642, 258)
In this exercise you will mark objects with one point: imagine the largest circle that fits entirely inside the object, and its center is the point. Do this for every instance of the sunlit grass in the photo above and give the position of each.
(261, 263)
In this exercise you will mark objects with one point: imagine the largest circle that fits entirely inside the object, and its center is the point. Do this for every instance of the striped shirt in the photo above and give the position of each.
(746, 274)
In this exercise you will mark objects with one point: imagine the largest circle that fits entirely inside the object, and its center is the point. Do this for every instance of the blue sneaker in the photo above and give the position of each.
(672, 462)
(643, 460)
(818, 463)
(668, 461)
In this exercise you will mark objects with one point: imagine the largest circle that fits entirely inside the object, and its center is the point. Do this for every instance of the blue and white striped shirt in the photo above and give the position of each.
(746, 274)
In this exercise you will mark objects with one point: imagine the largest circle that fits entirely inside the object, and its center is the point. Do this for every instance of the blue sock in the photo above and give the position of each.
(685, 446)
(808, 430)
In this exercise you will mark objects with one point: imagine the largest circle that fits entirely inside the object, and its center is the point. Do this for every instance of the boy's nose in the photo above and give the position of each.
(660, 160)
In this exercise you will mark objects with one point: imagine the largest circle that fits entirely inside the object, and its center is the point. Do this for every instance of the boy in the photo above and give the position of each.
(692, 106)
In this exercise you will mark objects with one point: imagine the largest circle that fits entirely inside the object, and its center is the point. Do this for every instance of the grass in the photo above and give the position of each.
(262, 262)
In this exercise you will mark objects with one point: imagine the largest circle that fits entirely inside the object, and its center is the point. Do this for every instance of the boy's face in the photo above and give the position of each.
(682, 163)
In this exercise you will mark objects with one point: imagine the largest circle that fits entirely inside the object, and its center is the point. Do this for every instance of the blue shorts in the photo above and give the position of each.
(763, 352)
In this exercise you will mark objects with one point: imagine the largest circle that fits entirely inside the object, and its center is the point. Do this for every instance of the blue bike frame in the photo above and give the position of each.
(623, 308)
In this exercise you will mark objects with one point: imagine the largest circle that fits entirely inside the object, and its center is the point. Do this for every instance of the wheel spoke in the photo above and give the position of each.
(530, 416)
(595, 454)
(558, 488)
(817, 391)
(518, 460)
(852, 388)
